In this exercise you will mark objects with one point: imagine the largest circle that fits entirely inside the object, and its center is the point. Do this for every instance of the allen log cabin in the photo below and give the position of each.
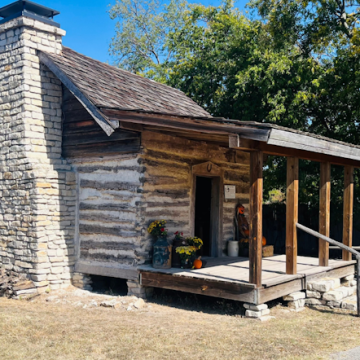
(92, 154)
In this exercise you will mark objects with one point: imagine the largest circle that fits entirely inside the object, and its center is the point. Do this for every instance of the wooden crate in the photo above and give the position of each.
(267, 251)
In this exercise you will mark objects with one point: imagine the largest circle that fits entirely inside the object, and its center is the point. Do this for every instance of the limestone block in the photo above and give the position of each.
(324, 285)
(296, 304)
(313, 301)
(350, 304)
(256, 314)
(294, 296)
(334, 304)
(255, 307)
(348, 278)
(337, 294)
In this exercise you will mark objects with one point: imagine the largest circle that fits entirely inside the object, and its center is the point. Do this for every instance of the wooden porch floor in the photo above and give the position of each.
(228, 277)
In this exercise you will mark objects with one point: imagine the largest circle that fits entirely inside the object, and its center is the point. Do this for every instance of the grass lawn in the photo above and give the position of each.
(64, 329)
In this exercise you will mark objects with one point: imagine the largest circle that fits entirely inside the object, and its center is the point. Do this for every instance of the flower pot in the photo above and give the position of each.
(176, 260)
(162, 254)
(233, 248)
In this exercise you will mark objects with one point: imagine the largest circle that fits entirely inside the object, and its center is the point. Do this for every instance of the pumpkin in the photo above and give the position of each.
(263, 241)
(241, 210)
(197, 264)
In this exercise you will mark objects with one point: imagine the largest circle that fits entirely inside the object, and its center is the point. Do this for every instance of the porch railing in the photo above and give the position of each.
(344, 247)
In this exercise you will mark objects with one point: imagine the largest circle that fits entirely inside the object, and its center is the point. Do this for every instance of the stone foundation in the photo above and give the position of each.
(326, 292)
(82, 281)
(260, 312)
(134, 288)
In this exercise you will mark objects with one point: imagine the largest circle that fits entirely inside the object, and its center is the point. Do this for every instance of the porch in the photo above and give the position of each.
(228, 277)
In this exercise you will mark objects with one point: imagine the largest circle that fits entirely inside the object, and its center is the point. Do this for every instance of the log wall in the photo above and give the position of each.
(119, 196)
(168, 180)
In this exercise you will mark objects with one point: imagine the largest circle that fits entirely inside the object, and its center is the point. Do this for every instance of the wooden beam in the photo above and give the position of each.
(255, 223)
(207, 126)
(302, 154)
(292, 192)
(324, 212)
(222, 289)
(107, 125)
(315, 144)
(348, 209)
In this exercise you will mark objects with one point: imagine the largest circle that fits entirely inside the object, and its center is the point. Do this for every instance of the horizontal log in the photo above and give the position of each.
(109, 185)
(114, 230)
(112, 270)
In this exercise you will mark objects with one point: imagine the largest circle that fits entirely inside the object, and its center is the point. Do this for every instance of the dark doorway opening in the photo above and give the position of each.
(203, 209)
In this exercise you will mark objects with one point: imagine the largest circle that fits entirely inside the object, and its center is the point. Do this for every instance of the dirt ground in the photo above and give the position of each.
(71, 324)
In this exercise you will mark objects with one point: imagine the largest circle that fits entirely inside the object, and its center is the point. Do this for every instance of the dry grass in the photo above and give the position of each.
(41, 330)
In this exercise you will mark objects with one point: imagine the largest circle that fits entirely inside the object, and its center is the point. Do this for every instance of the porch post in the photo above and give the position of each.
(292, 192)
(324, 212)
(255, 223)
(348, 209)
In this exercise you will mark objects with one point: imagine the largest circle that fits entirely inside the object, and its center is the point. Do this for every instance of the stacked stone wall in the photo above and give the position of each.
(37, 187)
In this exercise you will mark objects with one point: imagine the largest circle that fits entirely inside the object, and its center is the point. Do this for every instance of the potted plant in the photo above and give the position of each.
(162, 249)
(177, 242)
(187, 256)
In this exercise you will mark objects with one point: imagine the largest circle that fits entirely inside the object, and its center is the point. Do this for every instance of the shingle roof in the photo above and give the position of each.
(110, 87)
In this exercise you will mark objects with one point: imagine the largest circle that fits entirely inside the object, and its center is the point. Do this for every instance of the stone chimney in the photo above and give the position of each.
(37, 186)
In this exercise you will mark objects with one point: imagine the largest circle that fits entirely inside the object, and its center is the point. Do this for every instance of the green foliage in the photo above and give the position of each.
(298, 66)
(142, 29)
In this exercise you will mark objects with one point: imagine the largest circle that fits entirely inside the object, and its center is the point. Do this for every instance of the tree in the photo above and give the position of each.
(142, 29)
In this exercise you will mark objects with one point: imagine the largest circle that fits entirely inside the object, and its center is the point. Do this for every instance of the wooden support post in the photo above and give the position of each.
(348, 209)
(255, 223)
(324, 213)
(292, 193)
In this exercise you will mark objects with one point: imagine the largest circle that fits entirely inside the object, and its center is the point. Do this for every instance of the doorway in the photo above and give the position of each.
(207, 214)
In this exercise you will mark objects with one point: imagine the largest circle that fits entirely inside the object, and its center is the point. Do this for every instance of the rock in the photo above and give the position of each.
(348, 278)
(349, 304)
(353, 283)
(109, 304)
(296, 304)
(294, 296)
(324, 285)
(51, 298)
(337, 294)
(313, 302)
(139, 304)
(129, 308)
(313, 294)
(266, 318)
(255, 307)
(334, 304)
(256, 314)
(93, 303)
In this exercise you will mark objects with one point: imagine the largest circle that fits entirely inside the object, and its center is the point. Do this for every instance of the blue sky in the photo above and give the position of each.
(88, 26)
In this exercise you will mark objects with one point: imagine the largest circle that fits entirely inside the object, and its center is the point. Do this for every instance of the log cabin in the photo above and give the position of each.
(91, 154)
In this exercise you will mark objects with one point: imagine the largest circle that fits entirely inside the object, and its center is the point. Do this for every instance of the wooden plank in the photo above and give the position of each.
(302, 154)
(255, 217)
(105, 124)
(310, 143)
(292, 191)
(274, 292)
(348, 210)
(219, 289)
(336, 273)
(111, 270)
(324, 213)
(209, 126)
